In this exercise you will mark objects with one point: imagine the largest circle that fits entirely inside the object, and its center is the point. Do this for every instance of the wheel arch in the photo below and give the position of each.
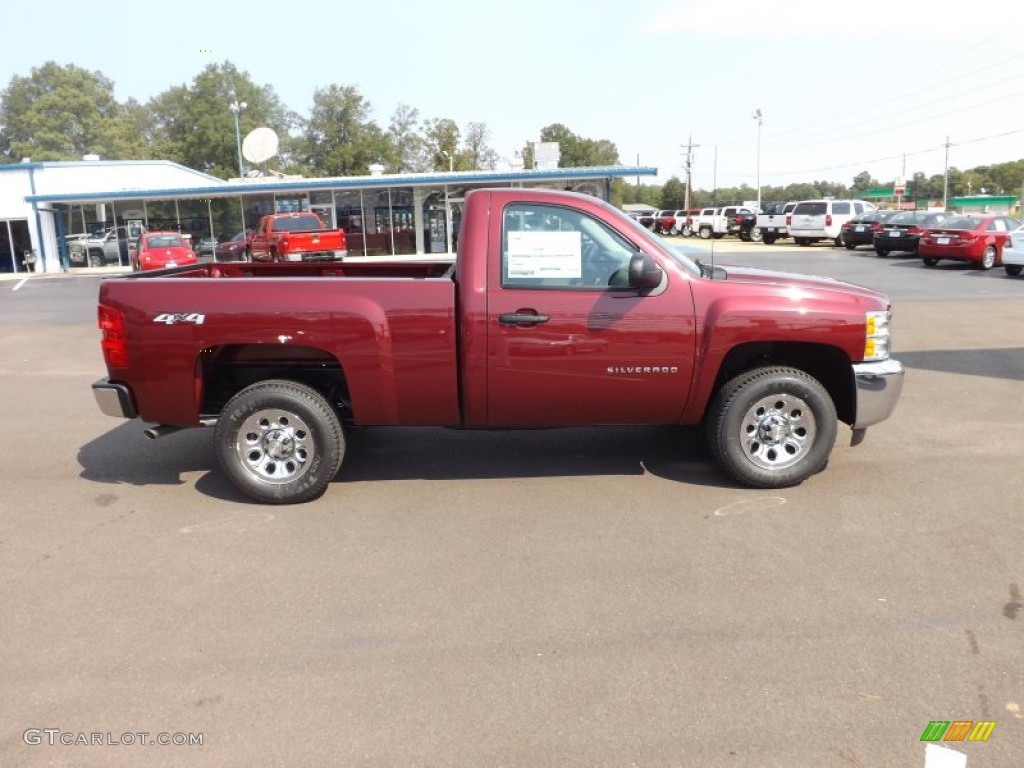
(829, 365)
(224, 371)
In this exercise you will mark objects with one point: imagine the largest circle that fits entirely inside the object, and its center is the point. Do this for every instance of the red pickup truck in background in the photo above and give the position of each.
(295, 237)
(558, 311)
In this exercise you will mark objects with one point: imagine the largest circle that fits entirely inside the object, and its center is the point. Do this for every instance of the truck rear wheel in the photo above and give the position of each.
(755, 235)
(279, 442)
(704, 233)
(772, 427)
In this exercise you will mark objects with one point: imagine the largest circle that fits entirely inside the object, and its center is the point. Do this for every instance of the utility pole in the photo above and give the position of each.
(945, 180)
(688, 165)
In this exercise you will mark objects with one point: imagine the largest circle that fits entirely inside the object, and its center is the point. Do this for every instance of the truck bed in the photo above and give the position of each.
(392, 269)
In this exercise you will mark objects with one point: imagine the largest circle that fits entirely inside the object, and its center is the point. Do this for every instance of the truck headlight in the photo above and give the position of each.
(876, 335)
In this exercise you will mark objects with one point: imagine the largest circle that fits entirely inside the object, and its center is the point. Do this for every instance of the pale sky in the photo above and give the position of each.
(879, 87)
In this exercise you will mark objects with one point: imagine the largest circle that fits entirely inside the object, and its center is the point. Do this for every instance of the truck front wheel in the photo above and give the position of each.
(772, 427)
(279, 442)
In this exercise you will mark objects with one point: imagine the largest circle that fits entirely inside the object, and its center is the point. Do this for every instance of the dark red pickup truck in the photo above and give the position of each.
(558, 311)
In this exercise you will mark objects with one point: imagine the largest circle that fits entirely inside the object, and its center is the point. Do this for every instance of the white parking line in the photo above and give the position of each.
(940, 757)
(20, 283)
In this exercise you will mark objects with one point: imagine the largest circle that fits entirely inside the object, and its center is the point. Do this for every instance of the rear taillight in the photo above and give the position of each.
(828, 219)
(789, 220)
(114, 344)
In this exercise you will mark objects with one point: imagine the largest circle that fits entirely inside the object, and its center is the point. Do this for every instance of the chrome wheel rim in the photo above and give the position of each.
(777, 431)
(275, 446)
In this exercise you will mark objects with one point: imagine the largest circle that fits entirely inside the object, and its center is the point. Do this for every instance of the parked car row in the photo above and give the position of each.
(933, 236)
(984, 239)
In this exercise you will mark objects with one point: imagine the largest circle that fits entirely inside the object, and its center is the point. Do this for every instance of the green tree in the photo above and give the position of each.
(56, 113)
(574, 151)
(477, 153)
(406, 141)
(673, 194)
(441, 141)
(864, 181)
(197, 126)
(340, 139)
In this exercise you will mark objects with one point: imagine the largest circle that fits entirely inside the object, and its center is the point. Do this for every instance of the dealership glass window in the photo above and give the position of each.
(322, 204)
(348, 211)
(256, 206)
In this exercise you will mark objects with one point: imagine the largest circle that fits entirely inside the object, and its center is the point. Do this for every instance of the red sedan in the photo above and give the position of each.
(159, 250)
(975, 237)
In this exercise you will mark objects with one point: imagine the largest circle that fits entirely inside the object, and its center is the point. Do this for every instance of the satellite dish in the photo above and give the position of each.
(259, 145)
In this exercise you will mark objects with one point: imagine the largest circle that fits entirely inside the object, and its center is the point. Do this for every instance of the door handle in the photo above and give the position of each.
(522, 318)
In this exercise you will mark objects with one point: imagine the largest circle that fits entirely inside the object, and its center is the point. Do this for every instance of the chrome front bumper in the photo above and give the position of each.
(114, 399)
(878, 388)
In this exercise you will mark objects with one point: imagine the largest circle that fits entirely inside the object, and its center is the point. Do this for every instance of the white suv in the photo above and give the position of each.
(814, 220)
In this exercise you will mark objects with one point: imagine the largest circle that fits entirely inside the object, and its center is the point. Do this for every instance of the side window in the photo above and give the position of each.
(996, 225)
(841, 209)
(546, 246)
(858, 208)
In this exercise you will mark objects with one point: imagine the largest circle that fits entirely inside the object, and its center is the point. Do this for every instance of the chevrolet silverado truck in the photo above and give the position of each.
(558, 311)
(295, 237)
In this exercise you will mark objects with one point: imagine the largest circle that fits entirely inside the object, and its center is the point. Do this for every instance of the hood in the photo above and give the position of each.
(807, 282)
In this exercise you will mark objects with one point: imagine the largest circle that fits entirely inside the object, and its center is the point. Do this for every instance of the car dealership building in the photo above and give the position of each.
(44, 204)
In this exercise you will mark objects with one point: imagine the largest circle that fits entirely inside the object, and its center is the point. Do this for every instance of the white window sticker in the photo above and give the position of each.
(545, 254)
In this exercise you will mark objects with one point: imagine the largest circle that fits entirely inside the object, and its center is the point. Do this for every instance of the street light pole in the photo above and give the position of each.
(759, 117)
(236, 108)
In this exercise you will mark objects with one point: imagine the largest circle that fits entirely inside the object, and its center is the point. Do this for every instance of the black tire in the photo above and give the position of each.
(988, 258)
(744, 236)
(839, 240)
(94, 259)
(930, 262)
(687, 231)
(850, 246)
(279, 442)
(704, 233)
(755, 235)
(803, 241)
(768, 239)
(881, 251)
(772, 427)
(1012, 269)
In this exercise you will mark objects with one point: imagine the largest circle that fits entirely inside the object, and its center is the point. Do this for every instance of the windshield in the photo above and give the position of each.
(640, 232)
(961, 222)
(297, 224)
(164, 241)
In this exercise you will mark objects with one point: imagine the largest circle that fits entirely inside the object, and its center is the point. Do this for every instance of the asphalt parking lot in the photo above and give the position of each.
(595, 597)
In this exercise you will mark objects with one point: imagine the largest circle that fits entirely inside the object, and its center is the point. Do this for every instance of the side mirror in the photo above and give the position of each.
(644, 272)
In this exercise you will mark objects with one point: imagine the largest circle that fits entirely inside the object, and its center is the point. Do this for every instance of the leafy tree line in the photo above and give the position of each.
(1003, 178)
(62, 112)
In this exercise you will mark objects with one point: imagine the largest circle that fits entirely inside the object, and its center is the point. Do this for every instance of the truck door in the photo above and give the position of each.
(569, 342)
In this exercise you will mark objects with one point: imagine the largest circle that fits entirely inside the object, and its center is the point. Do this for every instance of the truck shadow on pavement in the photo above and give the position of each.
(124, 456)
(1006, 363)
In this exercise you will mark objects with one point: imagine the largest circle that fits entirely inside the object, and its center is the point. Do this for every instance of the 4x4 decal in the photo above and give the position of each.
(170, 318)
